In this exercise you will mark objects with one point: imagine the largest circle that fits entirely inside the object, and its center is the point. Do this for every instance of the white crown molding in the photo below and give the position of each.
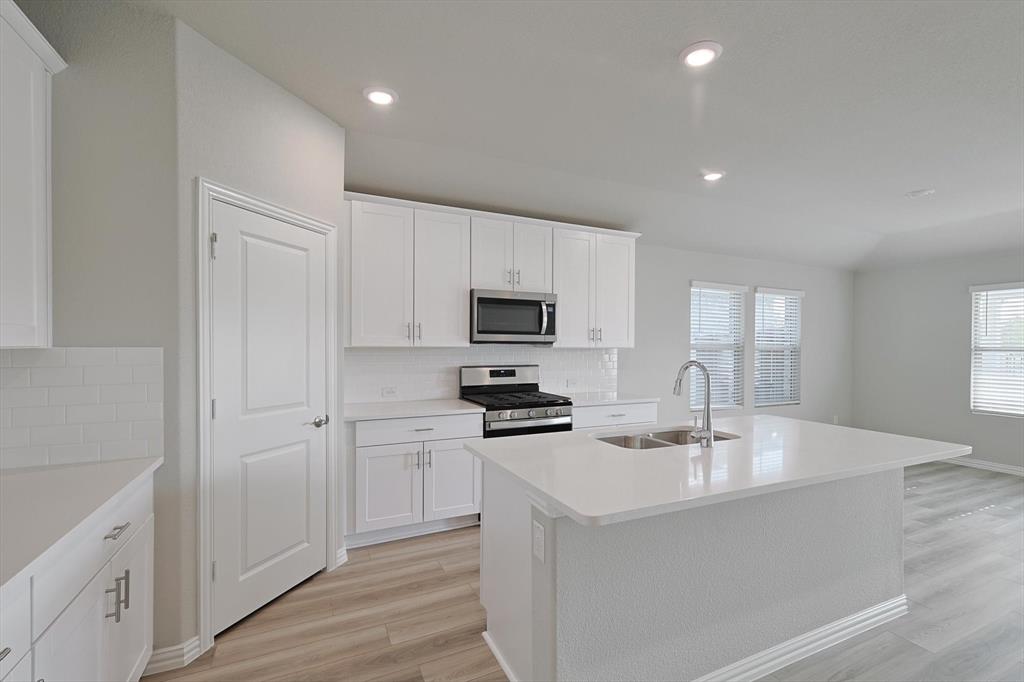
(21, 24)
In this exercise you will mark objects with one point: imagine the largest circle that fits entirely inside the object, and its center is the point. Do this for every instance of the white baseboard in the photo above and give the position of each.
(342, 557)
(173, 657)
(375, 537)
(988, 466)
(800, 647)
(498, 657)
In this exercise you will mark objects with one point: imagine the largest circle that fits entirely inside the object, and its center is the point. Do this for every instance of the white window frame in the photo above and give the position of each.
(695, 377)
(976, 350)
(789, 347)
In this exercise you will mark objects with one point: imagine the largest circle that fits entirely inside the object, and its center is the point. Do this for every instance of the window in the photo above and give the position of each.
(997, 349)
(777, 347)
(716, 339)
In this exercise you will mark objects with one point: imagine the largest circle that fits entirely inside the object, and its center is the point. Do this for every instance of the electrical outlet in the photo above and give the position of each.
(835, 419)
(570, 383)
(538, 541)
(387, 392)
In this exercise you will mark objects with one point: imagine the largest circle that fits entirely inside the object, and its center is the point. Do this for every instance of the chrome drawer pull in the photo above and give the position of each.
(617, 414)
(431, 428)
(116, 531)
(3, 653)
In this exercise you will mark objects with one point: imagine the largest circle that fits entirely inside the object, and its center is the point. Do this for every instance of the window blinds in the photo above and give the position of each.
(997, 349)
(716, 339)
(777, 347)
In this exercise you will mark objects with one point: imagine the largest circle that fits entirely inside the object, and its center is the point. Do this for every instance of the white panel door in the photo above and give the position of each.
(382, 275)
(450, 484)
(533, 257)
(24, 169)
(492, 260)
(574, 282)
(131, 640)
(615, 282)
(268, 378)
(74, 647)
(389, 486)
(442, 279)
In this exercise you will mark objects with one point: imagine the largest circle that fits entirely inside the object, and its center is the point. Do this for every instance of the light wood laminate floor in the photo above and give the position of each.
(409, 610)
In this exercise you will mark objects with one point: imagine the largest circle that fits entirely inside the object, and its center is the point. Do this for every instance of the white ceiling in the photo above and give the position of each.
(823, 114)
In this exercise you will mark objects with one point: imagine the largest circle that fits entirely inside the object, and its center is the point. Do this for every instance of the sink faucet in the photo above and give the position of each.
(706, 433)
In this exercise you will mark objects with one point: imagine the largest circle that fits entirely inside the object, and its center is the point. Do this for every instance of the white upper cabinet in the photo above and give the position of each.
(492, 257)
(382, 275)
(575, 270)
(615, 297)
(532, 268)
(442, 279)
(26, 64)
(594, 279)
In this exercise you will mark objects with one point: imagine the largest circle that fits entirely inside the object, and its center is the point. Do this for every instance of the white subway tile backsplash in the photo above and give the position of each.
(101, 374)
(430, 373)
(88, 414)
(37, 416)
(74, 395)
(22, 397)
(55, 376)
(65, 405)
(124, 393)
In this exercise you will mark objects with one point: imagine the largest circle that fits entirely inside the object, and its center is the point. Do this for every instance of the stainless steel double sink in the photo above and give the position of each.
(660, 439)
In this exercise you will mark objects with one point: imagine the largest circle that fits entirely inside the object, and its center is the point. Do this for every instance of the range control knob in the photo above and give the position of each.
(532, 413)
(552, 411)
(503, 415)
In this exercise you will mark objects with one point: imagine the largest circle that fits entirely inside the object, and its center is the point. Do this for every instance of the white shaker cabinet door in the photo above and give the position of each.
(131, 640)
(74, 647)
(382, 275)
(615, 296)
(450, 485)
(389, 486)
(492, 248)
(574, 283)
(442, 279)
(24, 186)
(532, 258)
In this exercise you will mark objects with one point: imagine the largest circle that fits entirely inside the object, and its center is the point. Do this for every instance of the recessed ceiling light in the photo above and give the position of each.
(918, 193)
(713, 176)
(701, 54)
(381, 96)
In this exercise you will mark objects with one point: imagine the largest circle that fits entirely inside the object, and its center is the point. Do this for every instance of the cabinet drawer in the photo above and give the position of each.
(71, 563)
(416, 429)
(613, 415)
(15, 635)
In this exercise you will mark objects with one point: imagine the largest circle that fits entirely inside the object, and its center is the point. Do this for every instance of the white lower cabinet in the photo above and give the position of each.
(106, 633)
(451, 480)
(22, 672)
(428, 477)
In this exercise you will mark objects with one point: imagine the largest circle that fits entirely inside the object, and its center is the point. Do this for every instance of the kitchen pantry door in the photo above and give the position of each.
(268, 377)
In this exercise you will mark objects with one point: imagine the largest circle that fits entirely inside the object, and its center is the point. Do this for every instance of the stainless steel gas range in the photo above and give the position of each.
(514, 402)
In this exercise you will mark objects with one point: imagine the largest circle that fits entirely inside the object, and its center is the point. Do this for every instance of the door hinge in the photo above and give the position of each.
(213, 409)
(213, 571)
(213, 246)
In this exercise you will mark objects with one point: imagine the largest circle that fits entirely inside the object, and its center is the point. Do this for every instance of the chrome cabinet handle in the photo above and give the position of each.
(600, 333)
(509, 273)
(319, 421)
(116, 591)
(590, 334)
(126, 600)
(408, 330)
(430, 458)
(116, 531)
(617, 414)
(419, 331)
(429, 428)
(519, 277)
(419, 460)
(3, 653)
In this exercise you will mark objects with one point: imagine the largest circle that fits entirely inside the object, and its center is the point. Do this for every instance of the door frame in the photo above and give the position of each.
(206, 192)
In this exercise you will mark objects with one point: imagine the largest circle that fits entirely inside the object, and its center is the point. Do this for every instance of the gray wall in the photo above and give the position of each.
(145, 106)
(912, 330)
(663, 329)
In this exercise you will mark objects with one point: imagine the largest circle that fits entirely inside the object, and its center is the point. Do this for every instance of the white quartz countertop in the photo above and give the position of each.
(40, 505)
(591, 398)
(398, 409)
(596, 483)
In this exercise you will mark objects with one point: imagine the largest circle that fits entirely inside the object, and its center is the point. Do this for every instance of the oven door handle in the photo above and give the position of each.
(527, 423)
(543, 317)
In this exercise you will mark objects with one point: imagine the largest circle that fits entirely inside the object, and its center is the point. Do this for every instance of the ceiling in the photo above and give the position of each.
(822, 114)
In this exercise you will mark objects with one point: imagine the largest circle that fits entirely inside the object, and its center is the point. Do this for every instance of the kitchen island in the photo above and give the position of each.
(674, 562)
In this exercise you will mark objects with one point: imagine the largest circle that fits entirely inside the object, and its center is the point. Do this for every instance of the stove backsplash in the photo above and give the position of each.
(376, 374)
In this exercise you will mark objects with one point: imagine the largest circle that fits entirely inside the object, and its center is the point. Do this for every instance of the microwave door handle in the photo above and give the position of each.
(543, 317)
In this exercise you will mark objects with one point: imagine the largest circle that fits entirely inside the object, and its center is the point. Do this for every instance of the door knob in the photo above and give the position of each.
(319, 421)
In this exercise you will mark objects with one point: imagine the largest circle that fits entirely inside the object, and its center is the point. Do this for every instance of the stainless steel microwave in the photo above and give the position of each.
(512, 316)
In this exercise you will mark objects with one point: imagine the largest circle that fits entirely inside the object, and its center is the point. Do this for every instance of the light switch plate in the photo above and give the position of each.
(538, 541)
(388, 392)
